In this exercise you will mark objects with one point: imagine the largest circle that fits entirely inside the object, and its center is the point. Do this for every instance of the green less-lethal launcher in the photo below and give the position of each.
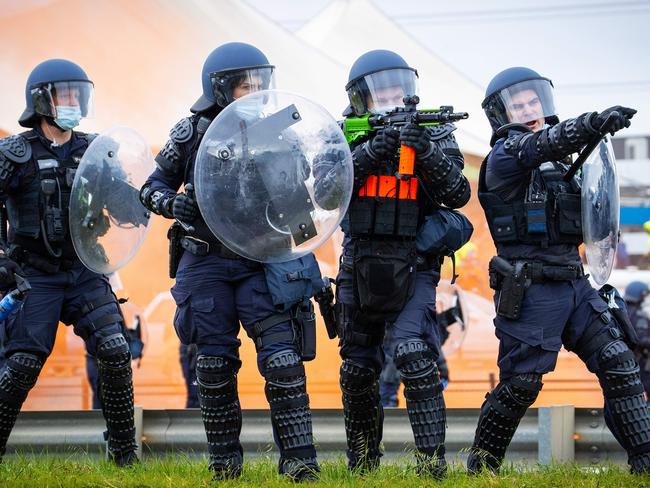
(357, 127)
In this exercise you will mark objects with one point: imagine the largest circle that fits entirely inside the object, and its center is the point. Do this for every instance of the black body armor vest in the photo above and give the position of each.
(38, 211)
(546, 212)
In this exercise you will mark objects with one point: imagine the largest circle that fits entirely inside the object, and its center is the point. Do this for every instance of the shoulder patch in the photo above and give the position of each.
(182, 131)
(441, 131)
(16, 149)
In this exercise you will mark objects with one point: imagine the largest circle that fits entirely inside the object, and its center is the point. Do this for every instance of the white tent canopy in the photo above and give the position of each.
(145, 57)
(348, 28)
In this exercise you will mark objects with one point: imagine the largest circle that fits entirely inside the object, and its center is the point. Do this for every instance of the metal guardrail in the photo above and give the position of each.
(561, 433)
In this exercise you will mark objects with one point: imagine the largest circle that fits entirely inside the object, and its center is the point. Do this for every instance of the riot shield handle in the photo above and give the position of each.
(588, 149)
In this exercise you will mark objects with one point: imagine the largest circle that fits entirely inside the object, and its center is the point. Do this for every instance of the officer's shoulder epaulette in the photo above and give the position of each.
(183, 130)
(441, 131)
(16, 148)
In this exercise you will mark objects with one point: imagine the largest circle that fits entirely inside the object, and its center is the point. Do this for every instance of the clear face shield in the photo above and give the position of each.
(59, 97)
(382, 91)
(529, 102)
(231, 85)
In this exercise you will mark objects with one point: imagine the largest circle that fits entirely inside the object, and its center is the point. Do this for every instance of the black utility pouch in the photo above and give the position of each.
(407, 218)
(305, 330)
(385, 212)
(361, 212)
(570, 210)
(384, 275)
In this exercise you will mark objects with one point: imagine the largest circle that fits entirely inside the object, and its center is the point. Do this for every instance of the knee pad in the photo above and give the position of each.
(618, 371)
(284, 368)
(414, 359)
(517, 393)
(19, 376)
(216, 374)
(113, 351)
(357, 379)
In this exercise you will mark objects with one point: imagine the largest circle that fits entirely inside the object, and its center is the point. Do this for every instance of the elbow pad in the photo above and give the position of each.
(551, 144)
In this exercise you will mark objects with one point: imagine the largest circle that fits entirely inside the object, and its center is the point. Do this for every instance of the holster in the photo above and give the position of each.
(510, 281)
(304, 323)
(325, 300)
(175, 234)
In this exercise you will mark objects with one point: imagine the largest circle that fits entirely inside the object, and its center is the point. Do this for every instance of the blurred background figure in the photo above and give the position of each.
(187, 354)
(635, 294)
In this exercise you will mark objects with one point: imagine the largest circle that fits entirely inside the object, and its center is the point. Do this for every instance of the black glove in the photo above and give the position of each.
(622, 121)
(184, 208)
(415, 136)
(385, 143)
(7, 269)
(328, 159)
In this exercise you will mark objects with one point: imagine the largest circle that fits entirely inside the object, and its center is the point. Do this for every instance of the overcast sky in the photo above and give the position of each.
(595, 51)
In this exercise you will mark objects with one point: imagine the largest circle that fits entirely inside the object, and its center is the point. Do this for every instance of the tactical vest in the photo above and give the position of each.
(548, 213)
(41, 207)
(385, 206)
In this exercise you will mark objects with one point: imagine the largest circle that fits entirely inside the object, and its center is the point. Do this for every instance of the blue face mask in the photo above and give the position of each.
(68, 116)
(249, 109)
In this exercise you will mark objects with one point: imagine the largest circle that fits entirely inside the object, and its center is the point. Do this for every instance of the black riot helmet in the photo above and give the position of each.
(227, 67)
(519, 96)
(49, 81)
(378, 81)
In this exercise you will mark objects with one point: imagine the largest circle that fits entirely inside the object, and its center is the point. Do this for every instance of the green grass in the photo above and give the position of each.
(181, 471)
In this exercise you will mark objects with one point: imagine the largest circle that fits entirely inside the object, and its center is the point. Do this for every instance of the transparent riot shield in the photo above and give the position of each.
(107, 221)
(600, 210)
(452, 316)
(273, 176)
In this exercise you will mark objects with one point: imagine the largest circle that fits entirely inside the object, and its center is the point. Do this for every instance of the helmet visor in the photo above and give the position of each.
(526, 102)
(48, 97)
(234, 84)
(382, 91)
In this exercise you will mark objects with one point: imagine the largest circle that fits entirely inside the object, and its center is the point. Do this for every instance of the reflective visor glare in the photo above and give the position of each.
(387, 89)
(236, 84)
(528, 101)
(74, 93)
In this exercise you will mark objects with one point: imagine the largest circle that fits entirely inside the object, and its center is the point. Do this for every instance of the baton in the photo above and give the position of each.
(588, 149)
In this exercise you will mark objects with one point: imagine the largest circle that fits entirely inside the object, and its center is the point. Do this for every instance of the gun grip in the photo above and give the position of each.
(406, 160)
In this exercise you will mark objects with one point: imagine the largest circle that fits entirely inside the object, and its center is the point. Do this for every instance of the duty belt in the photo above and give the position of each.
(538, 272)
(424, 262)
(47, 265)
(199, 247)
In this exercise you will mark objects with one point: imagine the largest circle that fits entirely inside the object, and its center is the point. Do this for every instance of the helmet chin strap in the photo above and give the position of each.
(51, 123)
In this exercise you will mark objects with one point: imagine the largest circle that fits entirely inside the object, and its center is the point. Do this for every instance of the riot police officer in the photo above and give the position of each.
(38, 168)
(635, 294)
(383, 279)
(216, 288)
(543, 299)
